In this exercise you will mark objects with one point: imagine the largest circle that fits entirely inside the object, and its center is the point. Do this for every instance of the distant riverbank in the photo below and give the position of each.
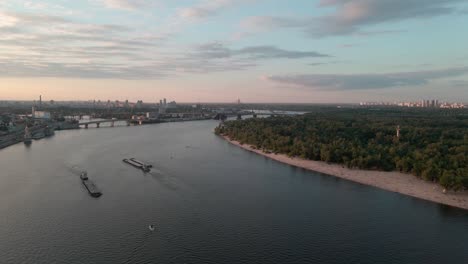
(391, 181)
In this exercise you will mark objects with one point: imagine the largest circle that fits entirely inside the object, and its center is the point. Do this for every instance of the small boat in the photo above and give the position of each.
(84, 176)
(151, 228)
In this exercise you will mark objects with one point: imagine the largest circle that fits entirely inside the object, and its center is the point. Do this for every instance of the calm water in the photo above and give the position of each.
(211, 202)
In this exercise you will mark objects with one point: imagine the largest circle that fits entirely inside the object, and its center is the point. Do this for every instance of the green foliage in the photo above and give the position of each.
(433, 146)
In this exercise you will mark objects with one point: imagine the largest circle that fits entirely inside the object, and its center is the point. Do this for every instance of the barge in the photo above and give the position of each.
(141, 163)
(92, 188)
(137, 165)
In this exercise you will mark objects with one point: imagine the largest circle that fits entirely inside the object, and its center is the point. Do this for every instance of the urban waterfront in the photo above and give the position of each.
(211, 202)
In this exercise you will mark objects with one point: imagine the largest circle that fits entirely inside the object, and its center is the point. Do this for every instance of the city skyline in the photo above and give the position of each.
(423, 102)
(327, 51)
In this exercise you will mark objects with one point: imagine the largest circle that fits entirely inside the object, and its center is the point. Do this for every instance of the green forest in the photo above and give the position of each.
(432, 145)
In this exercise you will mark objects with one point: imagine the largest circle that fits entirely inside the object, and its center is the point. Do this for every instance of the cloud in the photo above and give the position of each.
(44, 45)
(217, 57)
(273, 22)
(354, 16)
(348, 45)
(318, 63)
(7, 20)
(459, 83)
(76, 70)
(350, 16)
(379, 32)
(208, 8)
(325, 63)
(367, 81)
(218, 50)
(126, 4)
(271, 52)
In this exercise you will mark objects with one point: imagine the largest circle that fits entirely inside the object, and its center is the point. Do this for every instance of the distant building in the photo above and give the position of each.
(172, 105)
(162, 107)
(42, 115)
(152, 115)
(139, 104)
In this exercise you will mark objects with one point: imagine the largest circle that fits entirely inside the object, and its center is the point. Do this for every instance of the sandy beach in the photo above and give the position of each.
(391, 181)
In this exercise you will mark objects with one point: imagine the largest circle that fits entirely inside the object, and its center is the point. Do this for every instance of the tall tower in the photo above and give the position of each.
(398, 131)
(40, 100)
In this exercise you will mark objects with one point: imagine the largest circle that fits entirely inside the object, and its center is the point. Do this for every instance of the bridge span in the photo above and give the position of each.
(99, 122)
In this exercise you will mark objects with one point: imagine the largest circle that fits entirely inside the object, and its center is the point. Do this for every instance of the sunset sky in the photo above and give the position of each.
(221, 50)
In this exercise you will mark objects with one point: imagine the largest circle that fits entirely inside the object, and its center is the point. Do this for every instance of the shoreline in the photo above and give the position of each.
(405, 184)
(4, 144)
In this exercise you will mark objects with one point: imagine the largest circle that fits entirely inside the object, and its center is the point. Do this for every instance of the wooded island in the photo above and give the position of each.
(430, 144)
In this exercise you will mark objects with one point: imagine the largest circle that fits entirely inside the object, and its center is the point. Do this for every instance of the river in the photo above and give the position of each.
(211, 202)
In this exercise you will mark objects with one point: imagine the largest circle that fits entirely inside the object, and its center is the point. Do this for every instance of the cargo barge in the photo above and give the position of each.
(92, 188)
(137, 164)
(141, 163)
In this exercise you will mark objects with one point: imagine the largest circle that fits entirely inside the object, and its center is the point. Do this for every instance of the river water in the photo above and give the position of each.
(211, 202)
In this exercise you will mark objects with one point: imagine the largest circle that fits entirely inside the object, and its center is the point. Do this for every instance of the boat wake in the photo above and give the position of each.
(169, 182)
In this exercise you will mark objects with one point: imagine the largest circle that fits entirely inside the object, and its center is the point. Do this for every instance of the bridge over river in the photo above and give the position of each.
(254, 113)
(103, 121)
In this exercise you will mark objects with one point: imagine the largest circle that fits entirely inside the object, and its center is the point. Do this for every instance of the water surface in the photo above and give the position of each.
(211, 201)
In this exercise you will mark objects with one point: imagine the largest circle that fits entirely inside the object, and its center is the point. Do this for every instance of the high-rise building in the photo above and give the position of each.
(139, 104)
(162, 106)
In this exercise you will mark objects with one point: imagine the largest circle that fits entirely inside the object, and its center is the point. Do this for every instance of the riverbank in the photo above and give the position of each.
(391, 181)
